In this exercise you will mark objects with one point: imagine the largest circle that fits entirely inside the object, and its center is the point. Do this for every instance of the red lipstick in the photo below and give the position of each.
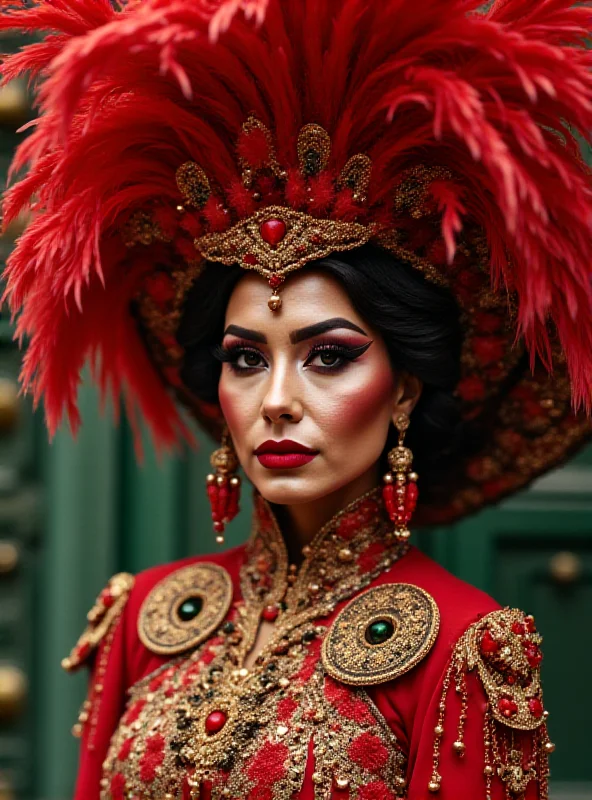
(284, 455)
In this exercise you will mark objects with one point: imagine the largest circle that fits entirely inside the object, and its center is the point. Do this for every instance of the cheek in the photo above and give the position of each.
(363, 403)
(233, 409)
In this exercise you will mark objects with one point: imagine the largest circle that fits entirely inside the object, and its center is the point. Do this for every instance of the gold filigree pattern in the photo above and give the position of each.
(381, 634)
(306, 239)
(185, 608)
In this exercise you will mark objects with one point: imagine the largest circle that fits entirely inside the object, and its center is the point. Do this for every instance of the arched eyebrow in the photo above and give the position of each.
(299, 335)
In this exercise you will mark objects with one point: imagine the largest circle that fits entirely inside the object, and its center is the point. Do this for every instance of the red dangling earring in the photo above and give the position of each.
(223, 487)
(400, 491)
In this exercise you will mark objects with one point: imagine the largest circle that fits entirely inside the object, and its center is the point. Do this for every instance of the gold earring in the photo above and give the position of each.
(223, 487)
(400, 491)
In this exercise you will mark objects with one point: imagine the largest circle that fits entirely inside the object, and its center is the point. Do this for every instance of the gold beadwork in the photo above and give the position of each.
(503, 649)
(356, 176)
(160, 627)
(285, 699)
(101, 618)
(193, 184)
(314, 149)
(306, 239)
(413, 615)
(248, 170)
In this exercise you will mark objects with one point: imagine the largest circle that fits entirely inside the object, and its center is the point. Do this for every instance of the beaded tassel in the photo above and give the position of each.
(400, 491)
(223, 487)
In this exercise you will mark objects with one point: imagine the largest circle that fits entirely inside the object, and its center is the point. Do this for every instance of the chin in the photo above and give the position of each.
(285, 491)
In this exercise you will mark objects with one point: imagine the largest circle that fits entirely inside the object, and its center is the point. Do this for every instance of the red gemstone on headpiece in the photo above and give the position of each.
(275, 281)
(250, 258)
(273, 231)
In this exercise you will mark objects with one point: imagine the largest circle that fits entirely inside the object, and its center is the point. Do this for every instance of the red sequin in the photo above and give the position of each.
(134, 712)
(369, 752)
(117, 787)
(152, 758)
(267, 766)
(377, 790)
(125, 749)
(286, 708)
(346, 703)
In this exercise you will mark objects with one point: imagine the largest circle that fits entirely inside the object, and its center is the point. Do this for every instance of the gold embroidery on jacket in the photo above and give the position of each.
(206, 718)
(381, 634)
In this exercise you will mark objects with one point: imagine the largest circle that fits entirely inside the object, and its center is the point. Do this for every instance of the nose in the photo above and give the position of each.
(281, 402)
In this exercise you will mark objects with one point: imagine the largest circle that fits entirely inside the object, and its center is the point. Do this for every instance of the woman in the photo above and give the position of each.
(354, 239)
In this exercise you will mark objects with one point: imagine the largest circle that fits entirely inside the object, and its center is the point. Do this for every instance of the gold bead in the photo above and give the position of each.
(413, 476)
(345, 555)
(549, 747)
(306, 551)
(439, 730)
(342, 783)
(488, 770)
(210, 479)
(388, 478)
(434, 786)
(219, 540)
(317, 777)
(400, 782)
(274, 302)
(459, 747)
(235, 480)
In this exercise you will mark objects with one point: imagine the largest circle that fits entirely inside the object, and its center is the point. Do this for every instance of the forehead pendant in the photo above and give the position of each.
(309, 213)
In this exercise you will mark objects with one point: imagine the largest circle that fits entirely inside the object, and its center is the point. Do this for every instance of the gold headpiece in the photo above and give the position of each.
(278, 239)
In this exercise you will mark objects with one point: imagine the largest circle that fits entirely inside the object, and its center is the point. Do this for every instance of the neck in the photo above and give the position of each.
(300, 522)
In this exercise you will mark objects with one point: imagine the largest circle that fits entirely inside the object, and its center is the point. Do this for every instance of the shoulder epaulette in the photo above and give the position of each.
(102, 616)
(503, 648)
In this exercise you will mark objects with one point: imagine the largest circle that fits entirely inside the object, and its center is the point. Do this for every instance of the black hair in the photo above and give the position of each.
(418, 321)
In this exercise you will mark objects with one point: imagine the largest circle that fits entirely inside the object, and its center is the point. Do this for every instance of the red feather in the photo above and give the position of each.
(502, 99)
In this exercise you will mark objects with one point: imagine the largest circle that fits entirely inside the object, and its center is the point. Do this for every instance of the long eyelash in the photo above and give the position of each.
(349, 353)
(230, 354)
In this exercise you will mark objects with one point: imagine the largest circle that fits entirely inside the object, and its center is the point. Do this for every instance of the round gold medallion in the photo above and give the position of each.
(381, 634)
(185, 608)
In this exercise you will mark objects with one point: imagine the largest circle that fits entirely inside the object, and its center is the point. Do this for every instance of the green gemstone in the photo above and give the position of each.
(190, 608)
(379, 631)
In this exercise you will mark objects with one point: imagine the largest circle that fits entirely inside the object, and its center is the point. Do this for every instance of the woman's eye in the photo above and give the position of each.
(332, 357)
(327, 358)
(247, 359)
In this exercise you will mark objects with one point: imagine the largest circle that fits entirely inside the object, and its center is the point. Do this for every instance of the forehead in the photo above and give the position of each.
(307, 297)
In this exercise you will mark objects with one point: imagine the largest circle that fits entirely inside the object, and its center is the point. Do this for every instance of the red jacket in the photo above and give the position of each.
(352, 717)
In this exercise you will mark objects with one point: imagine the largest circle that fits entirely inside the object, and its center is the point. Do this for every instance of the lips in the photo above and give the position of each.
(285, 446)
(284, 455)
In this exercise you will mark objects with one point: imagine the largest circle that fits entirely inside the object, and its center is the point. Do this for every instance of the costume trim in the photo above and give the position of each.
(185, 608)
(503, 649)
(102, 617)
(381, 634)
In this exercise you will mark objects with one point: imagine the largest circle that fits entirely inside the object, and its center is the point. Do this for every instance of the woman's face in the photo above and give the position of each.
(314, 373)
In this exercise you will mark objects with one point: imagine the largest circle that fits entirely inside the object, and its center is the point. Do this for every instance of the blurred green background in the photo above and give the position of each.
(74, 513)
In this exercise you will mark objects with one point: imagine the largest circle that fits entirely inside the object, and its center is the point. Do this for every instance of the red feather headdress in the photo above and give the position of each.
(473, 122)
